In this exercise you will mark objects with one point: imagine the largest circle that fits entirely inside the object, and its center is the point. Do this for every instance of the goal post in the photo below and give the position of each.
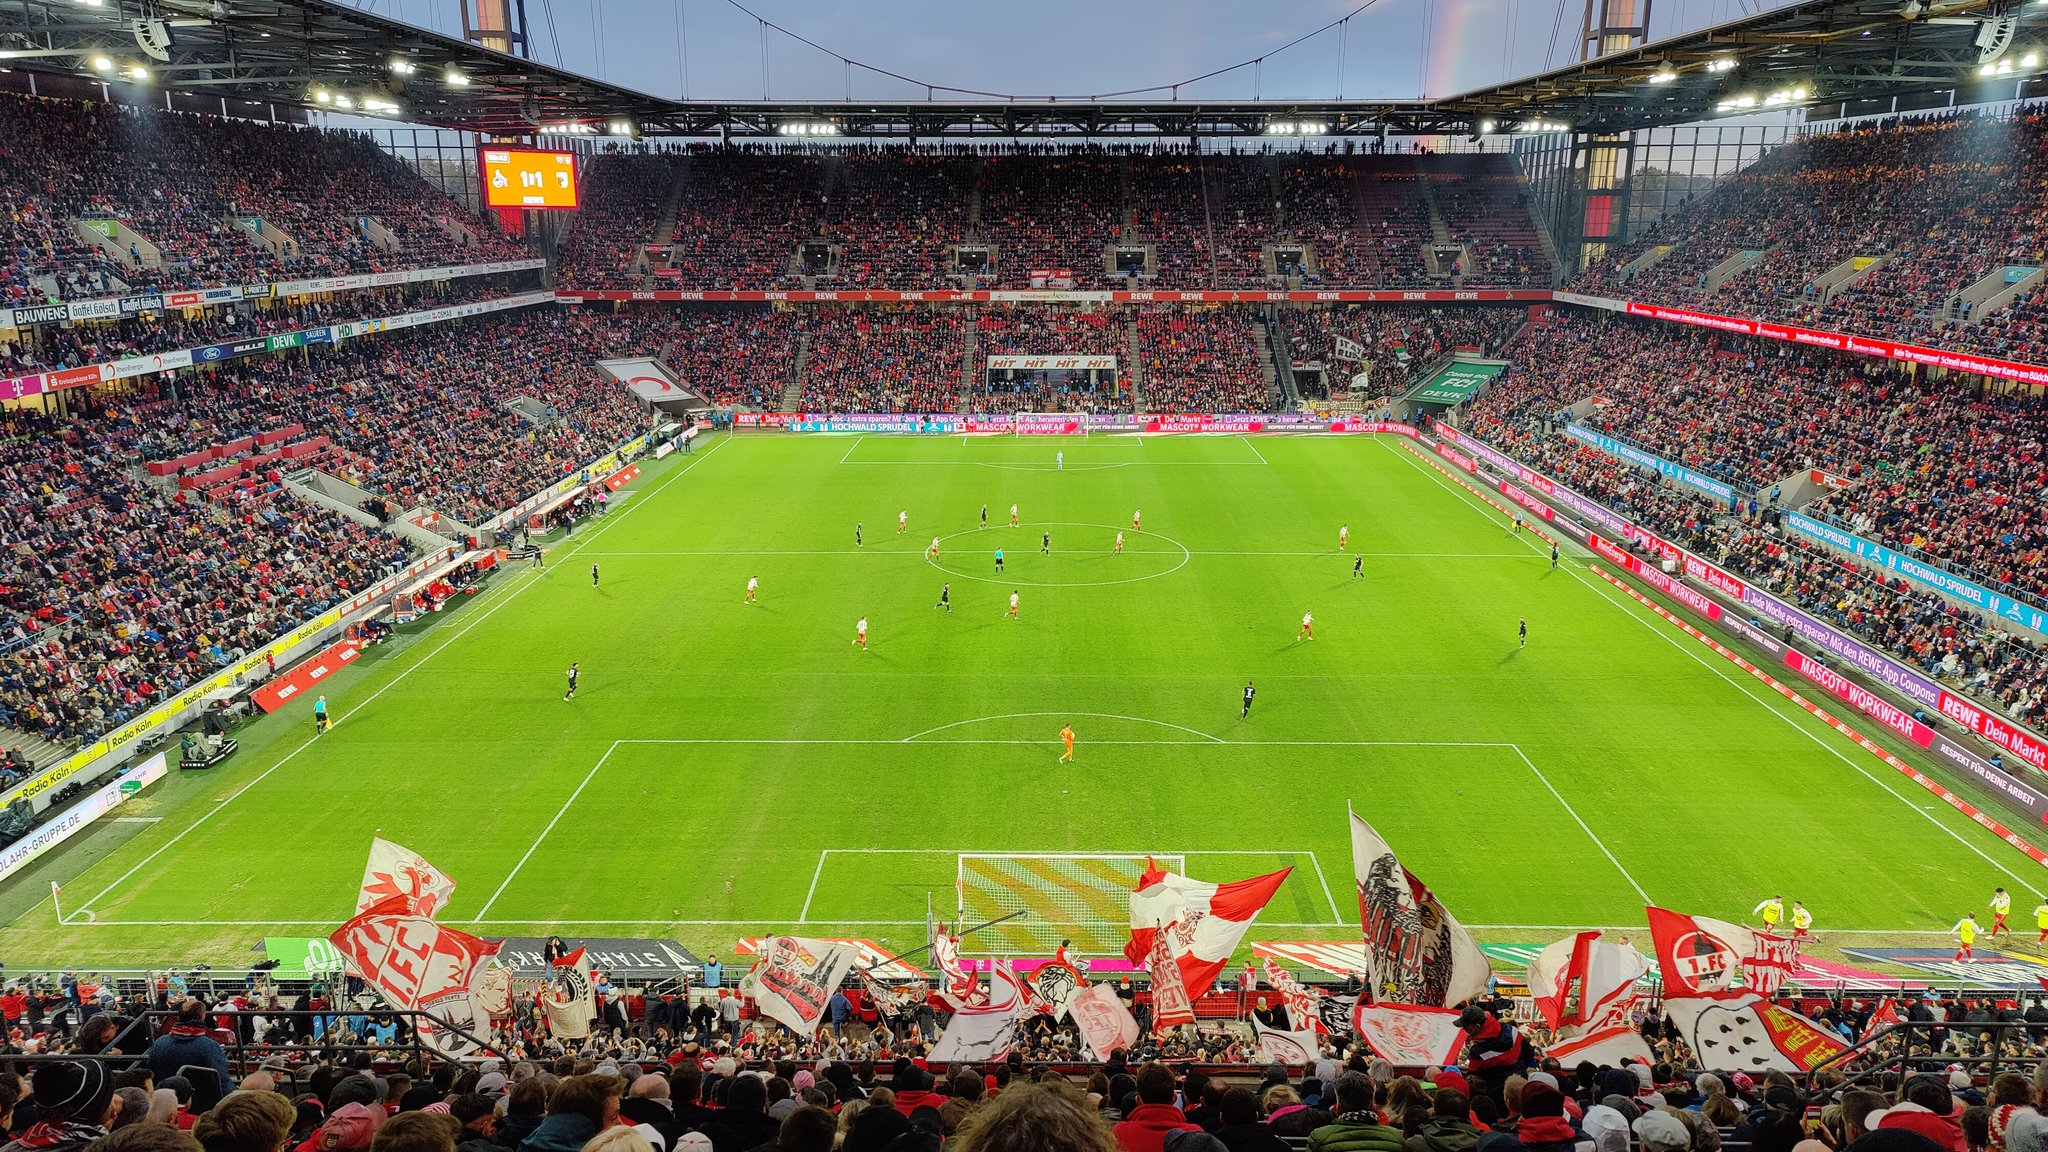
(1049, 423)
(1083, 897)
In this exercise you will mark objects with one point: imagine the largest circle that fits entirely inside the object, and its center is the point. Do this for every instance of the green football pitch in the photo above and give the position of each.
(728, 769)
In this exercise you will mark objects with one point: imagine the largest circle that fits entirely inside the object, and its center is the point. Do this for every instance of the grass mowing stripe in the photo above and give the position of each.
(1632, 613)
(533, 577)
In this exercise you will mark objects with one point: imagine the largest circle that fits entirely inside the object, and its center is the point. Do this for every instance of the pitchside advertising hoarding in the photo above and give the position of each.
(2017, 791)
(1984, 599)
(74, 819)
(1064, 423)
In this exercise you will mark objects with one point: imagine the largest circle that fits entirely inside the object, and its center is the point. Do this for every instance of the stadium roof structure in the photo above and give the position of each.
(1833, 57)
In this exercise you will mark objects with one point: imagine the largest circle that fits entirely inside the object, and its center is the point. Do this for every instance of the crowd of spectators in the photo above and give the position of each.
(99, 341)
(1202, 359)
(1956, 470)
(742, 215)
(1396, 339)
(894, 212)
(738, 356)
(183, 184)
(1367, 220)
(1044, 330)
(1483, 203)
(884, 360)
(1051, 213)
(125, 589)
(1864, 192)
(622, 197)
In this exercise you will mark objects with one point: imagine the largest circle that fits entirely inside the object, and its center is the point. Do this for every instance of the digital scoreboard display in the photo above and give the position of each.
(526, 178)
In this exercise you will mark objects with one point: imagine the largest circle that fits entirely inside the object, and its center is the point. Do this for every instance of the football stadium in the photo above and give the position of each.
(918, 600)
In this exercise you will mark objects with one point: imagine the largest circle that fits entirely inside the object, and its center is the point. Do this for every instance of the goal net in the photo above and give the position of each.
(1082, 897)
(1049, 423)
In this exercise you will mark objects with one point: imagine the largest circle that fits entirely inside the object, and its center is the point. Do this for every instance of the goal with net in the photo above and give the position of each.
(1049, 423)
(1081, 897)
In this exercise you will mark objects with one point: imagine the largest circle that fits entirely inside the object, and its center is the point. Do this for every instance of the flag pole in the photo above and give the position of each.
(57, 899)
(964, 932)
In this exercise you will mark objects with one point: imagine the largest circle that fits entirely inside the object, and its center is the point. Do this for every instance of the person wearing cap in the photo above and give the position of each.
(1928, 1110)
(76, 1104)
(1661, 1131)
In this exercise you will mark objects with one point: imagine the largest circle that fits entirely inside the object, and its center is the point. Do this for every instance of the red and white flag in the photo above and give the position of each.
(395, 870)
(1607, 1047)
(1171, 1004)
(1105, 1024)
(1585, 983)
(1419, 953)
(1304, 1007)
(1295, 1048)
(414, 963)
(957, 986)
(1887, 1014)
(1410, 1035)
(1701, 956)
(982, 1033)
(1744, 1032)
(1200, 924)
(793, 980)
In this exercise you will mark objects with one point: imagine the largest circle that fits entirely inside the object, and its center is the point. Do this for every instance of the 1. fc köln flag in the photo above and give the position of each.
(1418, 952)
(1585, 983)
(414, 963)
(1105, 1024)
(1171, 1004)
(980, 1034)
(1743, 1032)
(1199, 924)
(1408, 1035)
(395, 870)
(1700, 955)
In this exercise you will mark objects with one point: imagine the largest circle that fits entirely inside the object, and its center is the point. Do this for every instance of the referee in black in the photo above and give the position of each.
(575, 669)
(1249, 692)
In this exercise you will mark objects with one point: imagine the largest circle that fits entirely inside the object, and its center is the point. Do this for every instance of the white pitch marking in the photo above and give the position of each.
(1796, 726)
(1254, 447)
(372, 698)
(533, 847)
(851, 447)
(1093, 715)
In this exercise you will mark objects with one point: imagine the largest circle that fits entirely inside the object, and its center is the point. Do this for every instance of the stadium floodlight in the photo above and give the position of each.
(138, 72)
(1721, 64)
(1664, 75)
(403, 67)
(1486, 126)
(455, 79)
(2031, 60)
(322, 96)
(1296, 128)
(102, 64)
(808, 128)
(344, 102)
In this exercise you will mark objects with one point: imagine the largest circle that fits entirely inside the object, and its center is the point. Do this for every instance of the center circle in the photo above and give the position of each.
(1103, 547)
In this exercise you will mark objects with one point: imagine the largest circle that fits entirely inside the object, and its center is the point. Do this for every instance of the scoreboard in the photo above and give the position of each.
(528, 178)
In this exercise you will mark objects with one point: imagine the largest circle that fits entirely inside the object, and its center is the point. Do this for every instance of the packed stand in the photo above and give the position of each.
(894, 212)
(1201, 360)
(742, 357)
(1816, 202)
(1397, 339)
(1168, 210)
(1365, 217)
(131, 589)
(1939, 470)
(1484, 204)
(623, 195)
(742, 217)
(1953, 497)
(177, 180)
(1042, 330)
(870, 360)
(1241, 217)
(1051, 213)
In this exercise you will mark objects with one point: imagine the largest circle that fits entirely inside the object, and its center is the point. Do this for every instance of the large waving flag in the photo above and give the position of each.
(1702, 956)
(570, 1005)
(1198, 923)
(1304, 1005)
(414, 963)
(957, 986)
(1278, 1045)
(981, 1034)
(1582, 982)
(1607, 1047)
(1408, 1035)
(1171, 1004)
(395, 870)
(1105, 1024)
(1420, 954)
(795, 977)
(1743, 1032)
